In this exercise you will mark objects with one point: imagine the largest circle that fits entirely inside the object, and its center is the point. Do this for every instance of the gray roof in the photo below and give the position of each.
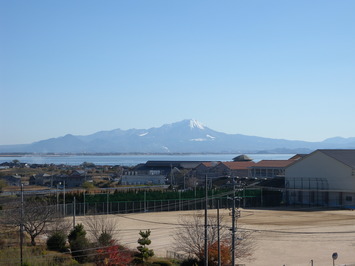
(242, 158)
(345, 156)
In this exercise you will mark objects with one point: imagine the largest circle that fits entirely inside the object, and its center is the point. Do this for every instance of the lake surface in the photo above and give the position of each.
(130, 160)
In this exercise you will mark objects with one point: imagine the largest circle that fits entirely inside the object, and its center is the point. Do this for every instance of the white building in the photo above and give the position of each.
(152, 177)
(324, 177)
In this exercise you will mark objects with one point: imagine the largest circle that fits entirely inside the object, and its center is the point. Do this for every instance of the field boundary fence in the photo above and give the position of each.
(124, 207)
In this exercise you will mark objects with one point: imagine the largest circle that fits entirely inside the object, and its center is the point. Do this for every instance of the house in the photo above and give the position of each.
(324, 177)
(203, 169)
(41, 180)
(176, 172)
(13, 180)
(166, 166)
(233, 169)
(75, 179)
(150, 177)
(269, 168)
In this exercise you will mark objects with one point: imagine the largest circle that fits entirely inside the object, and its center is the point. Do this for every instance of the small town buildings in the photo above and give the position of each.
(324, 177)
(165, 167)
(269, 168)
(203, 169)
(238, 167)
(150, 177)
(232, 169)
(75, 179)
(41, 180)
(13, 180)
(174, 172)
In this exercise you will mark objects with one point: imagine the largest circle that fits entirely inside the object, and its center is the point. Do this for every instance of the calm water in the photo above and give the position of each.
(129, 160)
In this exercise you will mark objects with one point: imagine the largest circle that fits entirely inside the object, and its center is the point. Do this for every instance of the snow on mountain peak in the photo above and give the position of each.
(143, 134)
(209, 136)
(196, 124)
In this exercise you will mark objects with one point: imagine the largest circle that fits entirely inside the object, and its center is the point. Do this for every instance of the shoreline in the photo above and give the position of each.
(33, 154)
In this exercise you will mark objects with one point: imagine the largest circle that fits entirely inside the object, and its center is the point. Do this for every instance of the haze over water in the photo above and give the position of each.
(130, 160)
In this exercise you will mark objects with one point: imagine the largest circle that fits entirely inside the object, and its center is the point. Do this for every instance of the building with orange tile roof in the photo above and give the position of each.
(269, 168)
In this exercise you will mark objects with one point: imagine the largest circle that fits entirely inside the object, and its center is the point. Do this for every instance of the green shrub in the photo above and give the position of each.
(105, 239)
(56, 241)
(79, 248)
(79, 243)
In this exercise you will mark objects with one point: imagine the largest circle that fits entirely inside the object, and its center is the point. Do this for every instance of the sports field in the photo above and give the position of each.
(282, 237)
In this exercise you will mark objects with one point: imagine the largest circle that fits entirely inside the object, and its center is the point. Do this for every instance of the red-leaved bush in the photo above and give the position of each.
(114, 255)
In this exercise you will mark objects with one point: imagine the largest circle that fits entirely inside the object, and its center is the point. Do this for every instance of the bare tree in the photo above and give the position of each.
(189, 237)
(59, 224)
(35, 215)
(191, 182)
(101, 224)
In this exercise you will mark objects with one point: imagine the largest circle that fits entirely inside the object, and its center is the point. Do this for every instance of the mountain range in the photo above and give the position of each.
(187, 136)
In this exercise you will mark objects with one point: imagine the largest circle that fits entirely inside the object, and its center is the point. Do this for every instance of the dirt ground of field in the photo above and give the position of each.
(282, 237)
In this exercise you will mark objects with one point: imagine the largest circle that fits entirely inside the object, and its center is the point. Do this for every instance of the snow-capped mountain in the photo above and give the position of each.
(187, 136)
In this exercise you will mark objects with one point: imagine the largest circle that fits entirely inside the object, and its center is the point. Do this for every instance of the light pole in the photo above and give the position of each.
(145, 201)
(74, 211)
(179, 191)
(195, 195)
(334, 257)
(64, 206)
(84, 202)
(58, 196)
(107, 202)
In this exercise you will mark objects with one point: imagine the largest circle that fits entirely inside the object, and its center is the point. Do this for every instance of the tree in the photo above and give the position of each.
(105, 240)
(88, 185)
(15, 161)
(225, 253)
(114, 254)
(57, 241)
(59, 224)
(189, 239)
(144, 242)
(102, 228)
(78, 243)
(35, 215)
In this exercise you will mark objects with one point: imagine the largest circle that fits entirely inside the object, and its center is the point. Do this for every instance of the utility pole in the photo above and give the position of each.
(206, 223)
(84, 202)
(171, 176)
(74, 212)
(107, 202)
(145, 201)
(64, 206)
(218, 235)
(235, 216)
(57, 198)
(21, 226)
(179, 191)
(233, 225)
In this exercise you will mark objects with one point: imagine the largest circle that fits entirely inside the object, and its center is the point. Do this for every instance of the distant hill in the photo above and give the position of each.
(187, 136)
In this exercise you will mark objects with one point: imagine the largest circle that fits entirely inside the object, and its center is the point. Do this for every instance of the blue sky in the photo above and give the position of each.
(279, 69)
